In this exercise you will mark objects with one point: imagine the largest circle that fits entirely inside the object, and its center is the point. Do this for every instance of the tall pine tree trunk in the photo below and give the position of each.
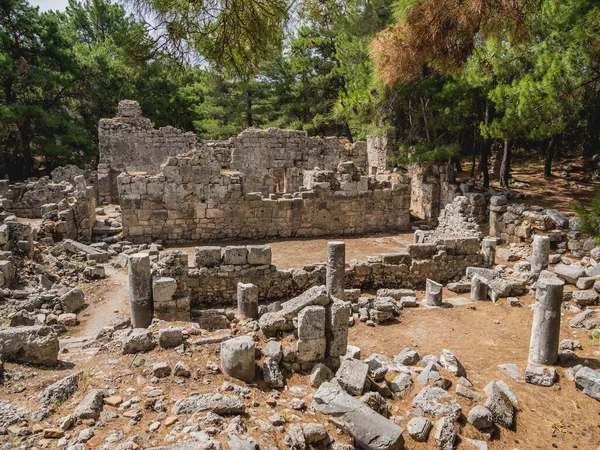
(485, 152)
(505, 168)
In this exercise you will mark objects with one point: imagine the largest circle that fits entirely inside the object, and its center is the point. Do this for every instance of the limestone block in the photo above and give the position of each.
(311, 322)
(259, 254)
(235, 255)
(207, 256)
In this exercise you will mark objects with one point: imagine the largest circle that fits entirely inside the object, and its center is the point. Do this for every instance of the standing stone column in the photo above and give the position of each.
(247, 300)
(488, 250)
(541, 253)
(545, 330)
(479, 288)
(433, 293)
(140, 289)
(336, 269)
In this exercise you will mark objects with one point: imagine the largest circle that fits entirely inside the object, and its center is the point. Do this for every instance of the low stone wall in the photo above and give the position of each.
(215, 280)
(191, 200)
(517, 223)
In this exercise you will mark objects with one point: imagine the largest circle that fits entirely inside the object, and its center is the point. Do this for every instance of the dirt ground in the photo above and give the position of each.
(558, 417)
(296, 253)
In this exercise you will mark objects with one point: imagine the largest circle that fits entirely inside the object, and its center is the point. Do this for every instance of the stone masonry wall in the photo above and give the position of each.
(517, 223)
(214, 280)
(191, 200)
(27, 198)
(272, 160)
(379, 151)
(128, 142)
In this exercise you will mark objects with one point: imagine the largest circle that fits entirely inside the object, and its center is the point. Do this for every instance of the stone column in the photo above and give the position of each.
(541, 253)
(545, 330)
(479, 288)
(140, 289)
(336, 269)
(247, 300)
(433, 293)
(488, 250)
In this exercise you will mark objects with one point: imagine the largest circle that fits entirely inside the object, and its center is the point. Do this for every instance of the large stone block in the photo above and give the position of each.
(207, 256)
(311, 322)
(235, 255)
(259, 254)
(33, 345)
(311, 349)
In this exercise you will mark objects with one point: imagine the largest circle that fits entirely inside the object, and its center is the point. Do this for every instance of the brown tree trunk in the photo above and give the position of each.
(249, 121)
(505, 168)
(550, 150)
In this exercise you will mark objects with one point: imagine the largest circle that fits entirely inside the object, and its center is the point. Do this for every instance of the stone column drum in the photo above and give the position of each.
(479, 288)
(545, 330)
(140, 289)
(488, 250)
(541, 253)
(247, 300)
(433, 293)
(336, 269)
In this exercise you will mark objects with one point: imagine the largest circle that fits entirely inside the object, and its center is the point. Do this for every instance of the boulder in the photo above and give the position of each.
(238, 358)
(32, 344)
(588, 380)
(451, 363)
(570, 273)
(352, 376)
(407, 357)
(369, 429)
(170, 337)
(480, 417)
(272, 374)
(56, 394)
(418, 428)
(500, 405)
(139, 340)
(73, 301)
(437, 402)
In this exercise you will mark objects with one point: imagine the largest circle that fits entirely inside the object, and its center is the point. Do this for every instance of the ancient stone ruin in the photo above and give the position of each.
(159, 302)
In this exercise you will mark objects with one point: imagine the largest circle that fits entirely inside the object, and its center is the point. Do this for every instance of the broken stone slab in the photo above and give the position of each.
(396, 294)
(505, 287)
(418, 428)
(320, 373)
(92, 253)
(459, 287)
(445, 433)
(500, 405)
(352, 376)
(56, 394)
(466, 392)
(217, 403)
(170, 337)
(450, 362)
(219, 338)
(29, 344)
(486, 274)
(316, 295)
(91, 406)
(429, 373)
(72, 301)
(585, 298)
(139, 340)
(578, 320)
(588, 380)
(369, 429)
(570, 273)
(272, 374)
(437, 402)
(585, 283)
(400, 383)
(407, 357)
(274, 321)
(377, 403)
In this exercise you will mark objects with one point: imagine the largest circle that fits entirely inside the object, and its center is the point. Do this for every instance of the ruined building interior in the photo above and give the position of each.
(160, 301)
